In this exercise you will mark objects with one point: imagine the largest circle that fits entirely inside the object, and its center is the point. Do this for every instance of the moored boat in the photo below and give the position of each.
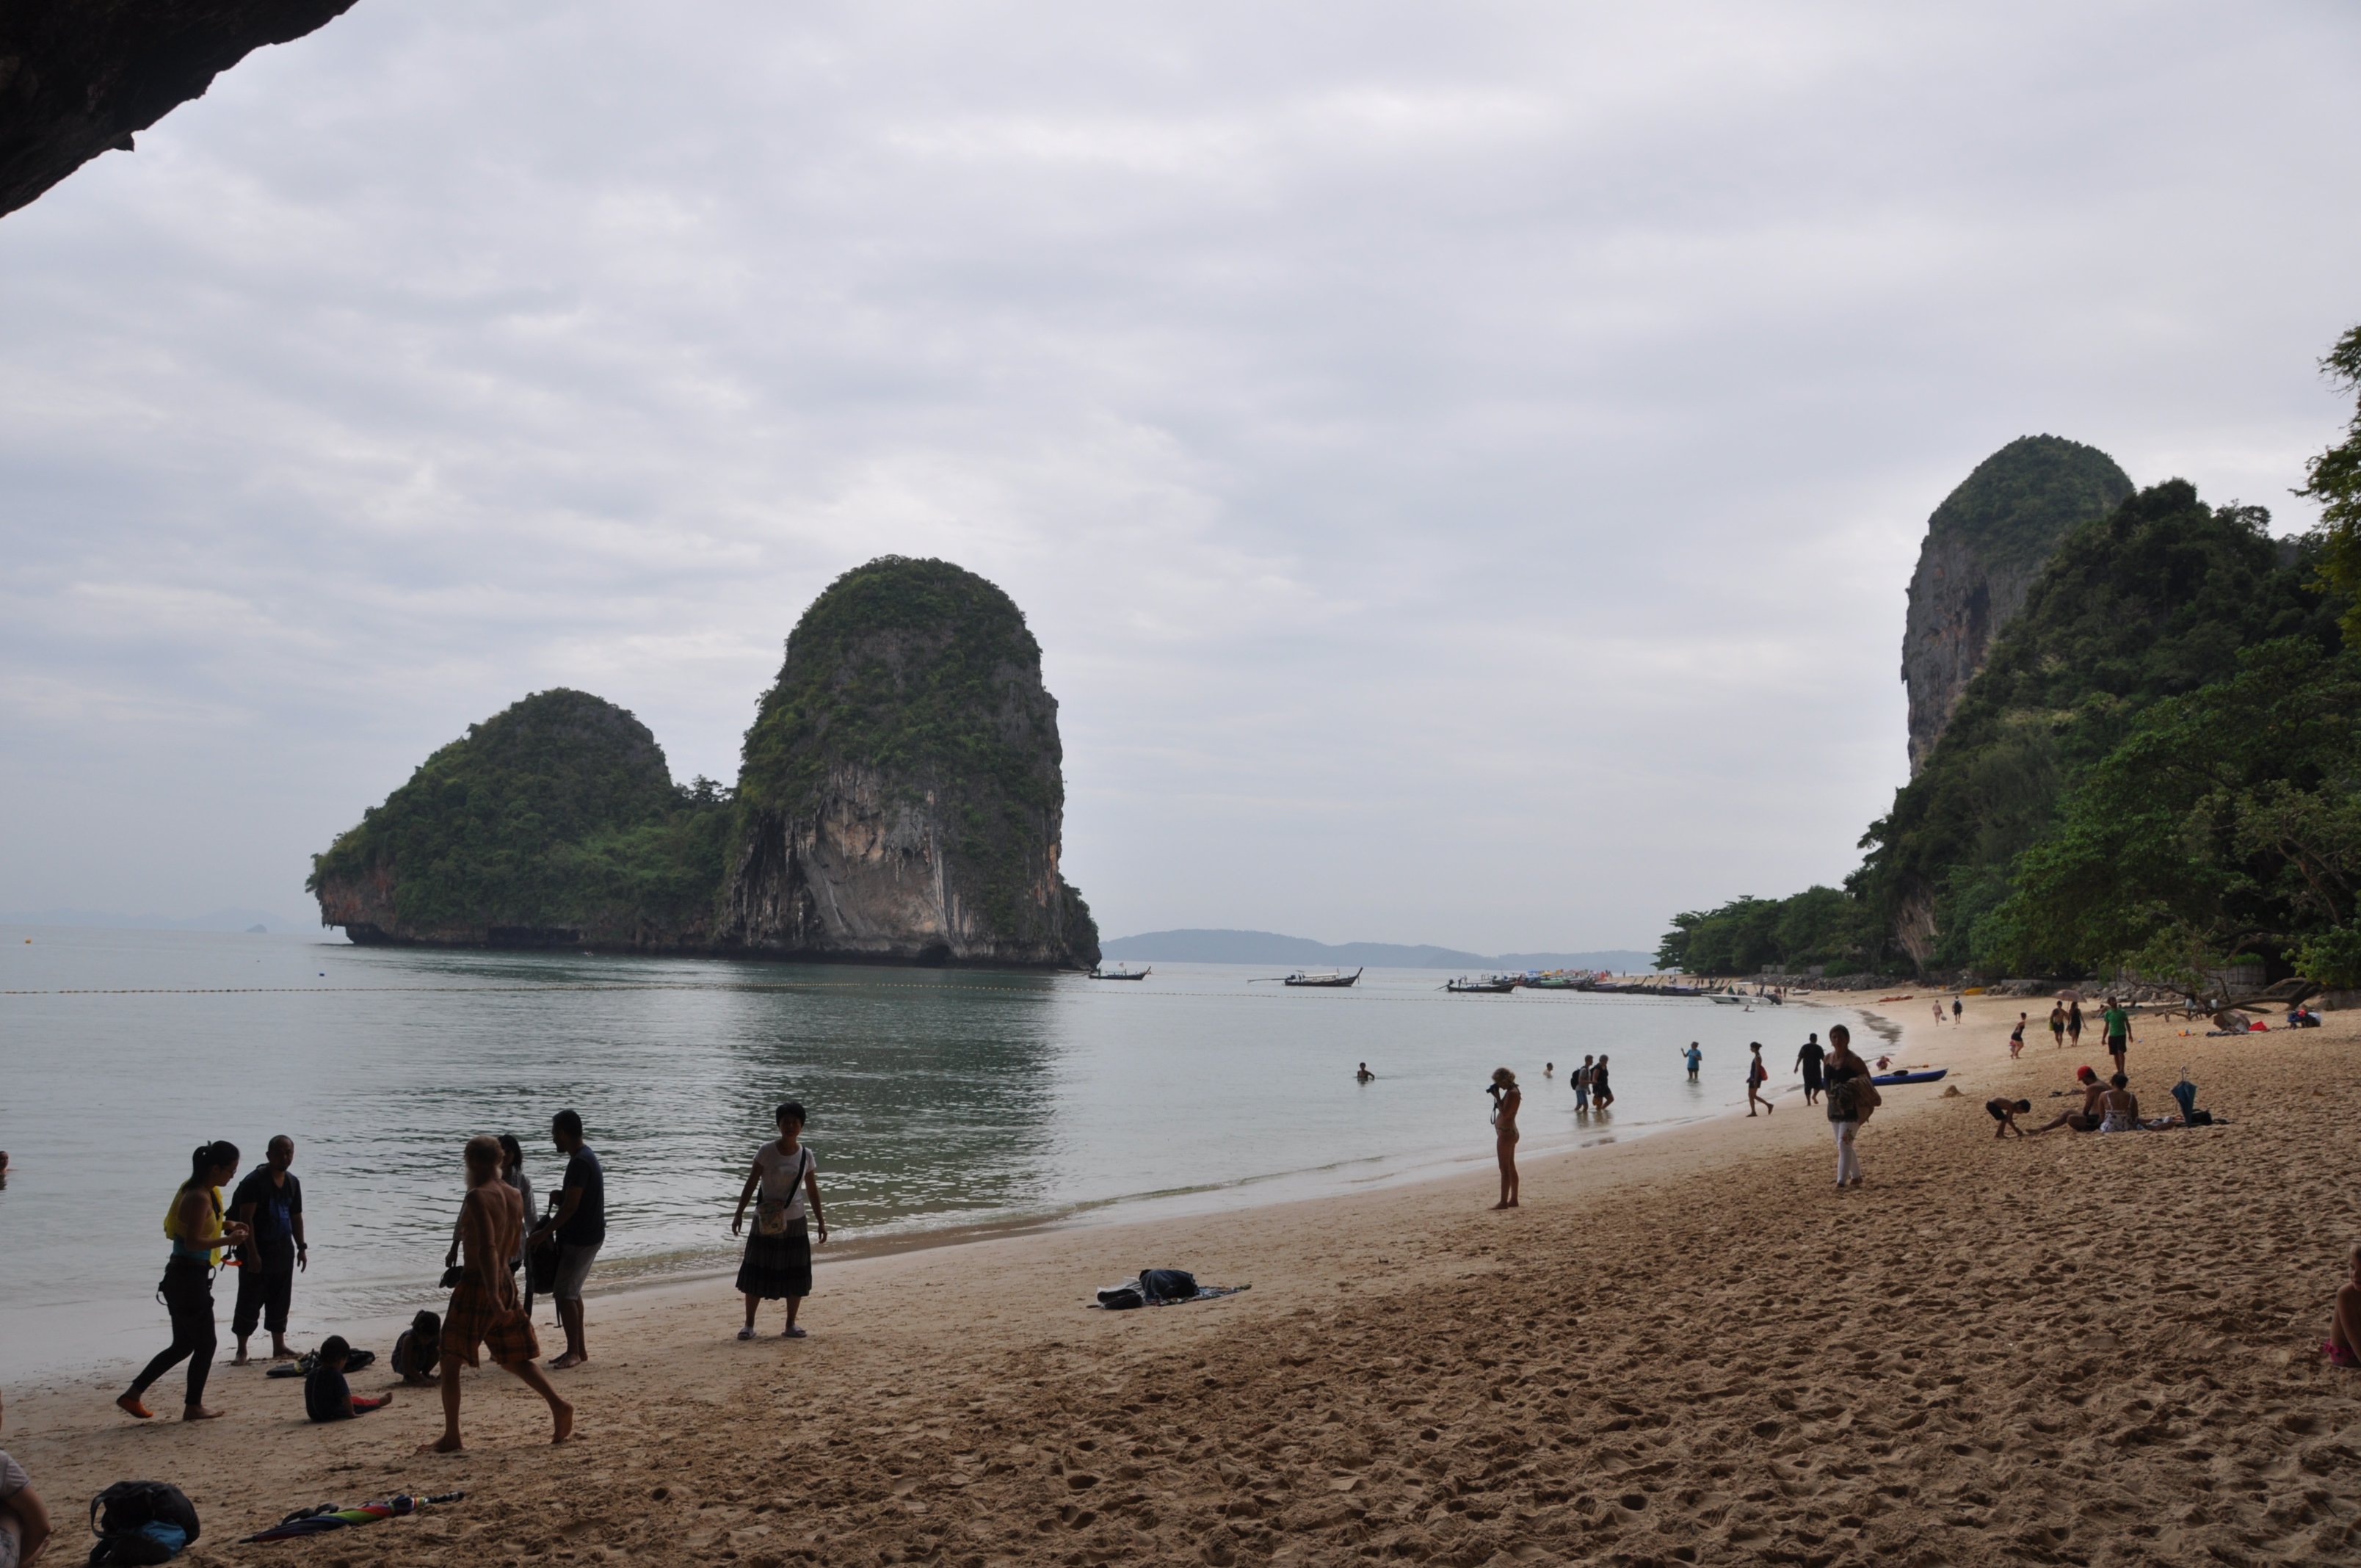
(1125, 972)
(1333, 979)
(1487, 985)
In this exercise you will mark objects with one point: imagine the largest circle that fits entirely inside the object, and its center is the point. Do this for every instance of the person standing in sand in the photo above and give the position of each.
(270, 1203)
(581, 1226)
(778, 1254)
(2117, 1020)
(1939, 1014)
(1848, 1079)
(199, 1229)
(2058, 1024)
(1958, 1007)
(1506, 1099)
(2016, 1038)
(484, 1307)
(2074, 1023)
(1808, 1057)
(1756, 1076)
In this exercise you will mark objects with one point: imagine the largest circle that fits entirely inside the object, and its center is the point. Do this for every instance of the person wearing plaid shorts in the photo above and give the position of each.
(484, 1308)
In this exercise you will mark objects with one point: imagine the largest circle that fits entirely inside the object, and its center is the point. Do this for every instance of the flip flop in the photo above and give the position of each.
(796, 1333)
(746, 1332)
(2339, 1357)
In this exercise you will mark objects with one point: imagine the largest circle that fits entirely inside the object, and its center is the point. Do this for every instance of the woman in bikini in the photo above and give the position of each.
(1757, 1075)
(1505, 1098)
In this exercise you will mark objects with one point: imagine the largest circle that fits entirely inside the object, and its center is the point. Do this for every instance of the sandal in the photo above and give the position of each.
(2339, 1357)
(746, 1332)
(795, 1334)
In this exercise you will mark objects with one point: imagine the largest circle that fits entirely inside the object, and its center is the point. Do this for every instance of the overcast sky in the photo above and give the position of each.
(1463, 462)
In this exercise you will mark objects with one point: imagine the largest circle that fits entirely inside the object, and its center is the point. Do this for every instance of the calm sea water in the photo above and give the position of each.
(939, 1100)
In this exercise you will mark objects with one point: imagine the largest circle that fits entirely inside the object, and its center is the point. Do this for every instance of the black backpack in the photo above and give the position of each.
(1166, 1283)
(134, 1522)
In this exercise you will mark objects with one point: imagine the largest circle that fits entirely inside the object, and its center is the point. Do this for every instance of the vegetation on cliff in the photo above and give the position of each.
(2152, 633)
(558, 815)
(923, 676)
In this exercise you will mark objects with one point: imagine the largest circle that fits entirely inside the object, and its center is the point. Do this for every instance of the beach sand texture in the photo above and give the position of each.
(1689, 1349)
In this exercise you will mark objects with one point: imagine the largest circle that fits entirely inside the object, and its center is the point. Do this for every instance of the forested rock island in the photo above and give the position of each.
(899, 799)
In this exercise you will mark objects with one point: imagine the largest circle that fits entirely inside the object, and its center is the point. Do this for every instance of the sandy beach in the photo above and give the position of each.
(1689, 1348)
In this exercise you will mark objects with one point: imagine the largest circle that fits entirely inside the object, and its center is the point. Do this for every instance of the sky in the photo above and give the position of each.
(1463, 464)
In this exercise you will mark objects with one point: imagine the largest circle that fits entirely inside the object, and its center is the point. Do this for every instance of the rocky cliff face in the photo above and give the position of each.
(1984, 546)
(901, 795)
(78, 77)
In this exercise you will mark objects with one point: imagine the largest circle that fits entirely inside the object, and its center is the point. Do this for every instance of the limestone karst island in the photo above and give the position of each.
(899, 799)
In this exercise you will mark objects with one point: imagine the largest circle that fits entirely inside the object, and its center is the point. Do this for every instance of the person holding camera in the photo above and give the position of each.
(1506, 1098)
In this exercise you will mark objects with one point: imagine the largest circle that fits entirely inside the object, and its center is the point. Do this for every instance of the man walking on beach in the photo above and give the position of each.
(1958, 1007)
(484, 1308)
(2058, 1024)
(270, 1203)
(2118, 1025)
(581, 1225)
(1808, 1057)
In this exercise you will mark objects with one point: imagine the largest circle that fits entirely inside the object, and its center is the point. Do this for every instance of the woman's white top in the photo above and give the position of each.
(782, 1176)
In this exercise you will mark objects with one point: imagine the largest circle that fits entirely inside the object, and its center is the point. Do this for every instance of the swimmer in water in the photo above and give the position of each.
(1364, 1075)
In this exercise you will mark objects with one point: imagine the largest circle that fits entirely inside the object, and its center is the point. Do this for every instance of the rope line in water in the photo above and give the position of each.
(745, 986)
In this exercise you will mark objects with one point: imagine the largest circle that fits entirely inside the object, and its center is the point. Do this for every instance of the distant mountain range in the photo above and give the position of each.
(218, 920)
(1270, 948)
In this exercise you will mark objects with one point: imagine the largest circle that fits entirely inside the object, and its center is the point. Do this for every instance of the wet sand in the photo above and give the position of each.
(1690, 1348)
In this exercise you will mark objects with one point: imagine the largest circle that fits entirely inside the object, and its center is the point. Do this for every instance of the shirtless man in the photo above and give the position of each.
(1364, 1075)
(484, 1309)
(2058, 1026)
(2085, 1119)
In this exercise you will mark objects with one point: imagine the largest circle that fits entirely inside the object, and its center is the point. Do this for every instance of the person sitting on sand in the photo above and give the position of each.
(2006, 1112)
(1363, 1075)
(24, 1522)
(484, 1308)
(1505, 1098)
(2084, 1118)
(2118, 1107)
(2344, 1346)
(1756, 1076)
(1808, 1057)
(326, 1396)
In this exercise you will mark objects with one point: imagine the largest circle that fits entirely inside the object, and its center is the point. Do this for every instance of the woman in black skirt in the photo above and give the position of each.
(778, 1254)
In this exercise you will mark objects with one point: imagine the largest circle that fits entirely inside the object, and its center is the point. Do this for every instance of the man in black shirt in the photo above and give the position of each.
(270, 1203)
(1808, 1057)
(581, 1225)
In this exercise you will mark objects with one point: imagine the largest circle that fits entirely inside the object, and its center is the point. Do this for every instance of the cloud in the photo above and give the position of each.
(1462, 466)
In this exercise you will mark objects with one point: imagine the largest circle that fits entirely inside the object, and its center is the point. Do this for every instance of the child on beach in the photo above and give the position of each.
(2344, 1346)
(1695, 1056)
(2006, 1112)
(326, 1396)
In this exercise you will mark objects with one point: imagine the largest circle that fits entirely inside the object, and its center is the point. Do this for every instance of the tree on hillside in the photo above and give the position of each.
(2333, 478)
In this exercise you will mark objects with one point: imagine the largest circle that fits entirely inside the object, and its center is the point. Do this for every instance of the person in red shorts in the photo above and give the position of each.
(484, 1308)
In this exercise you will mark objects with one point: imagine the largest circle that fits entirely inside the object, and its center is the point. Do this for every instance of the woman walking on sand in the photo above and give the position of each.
(1848, 1087)
(2074, 1023)
(194, 1222)
(1757, 1075)
(1506, 1098)
(778, 1254)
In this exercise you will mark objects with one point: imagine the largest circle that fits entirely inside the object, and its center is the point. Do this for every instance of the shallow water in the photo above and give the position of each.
(939, 1099)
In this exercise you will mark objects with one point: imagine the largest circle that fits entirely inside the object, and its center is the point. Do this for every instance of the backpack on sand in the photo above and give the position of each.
(140, 1521)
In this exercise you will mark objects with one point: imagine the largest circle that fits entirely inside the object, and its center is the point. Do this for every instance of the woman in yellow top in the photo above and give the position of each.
(195, 1223)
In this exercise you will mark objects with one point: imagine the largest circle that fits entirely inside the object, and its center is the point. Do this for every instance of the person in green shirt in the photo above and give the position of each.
(2118, 1023)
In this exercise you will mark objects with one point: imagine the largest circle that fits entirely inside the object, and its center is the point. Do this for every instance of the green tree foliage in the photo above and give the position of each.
(559, 813)
(2226, 822)
(2013, 508)
(2151, 601)
(1819, 926)
(2333, 478)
